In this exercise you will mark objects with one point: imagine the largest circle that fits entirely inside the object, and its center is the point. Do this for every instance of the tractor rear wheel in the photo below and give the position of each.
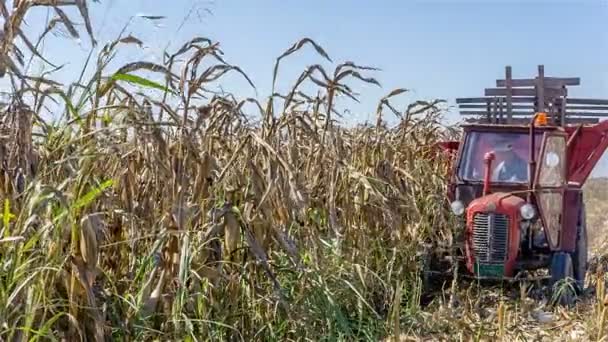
(579, 257)
(562, 279)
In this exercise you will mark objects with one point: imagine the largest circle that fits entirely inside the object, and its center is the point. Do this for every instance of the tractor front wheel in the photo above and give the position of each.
(563, 287)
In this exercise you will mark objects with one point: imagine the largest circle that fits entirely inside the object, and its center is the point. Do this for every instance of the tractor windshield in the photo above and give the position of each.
(511, 151)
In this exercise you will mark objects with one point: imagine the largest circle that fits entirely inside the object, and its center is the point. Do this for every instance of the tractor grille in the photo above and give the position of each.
(490, 238)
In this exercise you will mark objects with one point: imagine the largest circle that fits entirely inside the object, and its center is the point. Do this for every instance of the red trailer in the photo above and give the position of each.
(516, 182)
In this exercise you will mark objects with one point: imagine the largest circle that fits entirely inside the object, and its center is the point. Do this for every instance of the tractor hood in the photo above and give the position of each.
(492, 234)
(500, 202)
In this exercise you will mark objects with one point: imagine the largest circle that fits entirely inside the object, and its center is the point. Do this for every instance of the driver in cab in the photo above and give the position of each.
(510, 166)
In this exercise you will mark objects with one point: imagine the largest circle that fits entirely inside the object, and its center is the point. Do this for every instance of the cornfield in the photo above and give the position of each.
(153, 208)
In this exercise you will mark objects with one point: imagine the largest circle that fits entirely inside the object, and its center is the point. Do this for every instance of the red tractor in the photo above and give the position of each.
(517, 176)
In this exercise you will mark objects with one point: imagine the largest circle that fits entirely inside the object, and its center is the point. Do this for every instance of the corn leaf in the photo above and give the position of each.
(140, 81)
(93, 194)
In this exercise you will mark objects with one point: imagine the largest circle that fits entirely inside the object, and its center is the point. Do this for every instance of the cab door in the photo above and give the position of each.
(550, 185)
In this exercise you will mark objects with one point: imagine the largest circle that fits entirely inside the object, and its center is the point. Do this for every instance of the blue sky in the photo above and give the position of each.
(437, 48)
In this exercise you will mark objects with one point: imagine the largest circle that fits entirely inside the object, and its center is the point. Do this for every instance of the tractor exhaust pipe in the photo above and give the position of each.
(487, 159)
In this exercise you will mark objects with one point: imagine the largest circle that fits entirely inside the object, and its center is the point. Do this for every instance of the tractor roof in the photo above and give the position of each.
(505, 127)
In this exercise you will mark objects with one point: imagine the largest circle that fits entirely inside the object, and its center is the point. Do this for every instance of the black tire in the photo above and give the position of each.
(426, 281)
(580, 256)
(427, 260)
(563, 286)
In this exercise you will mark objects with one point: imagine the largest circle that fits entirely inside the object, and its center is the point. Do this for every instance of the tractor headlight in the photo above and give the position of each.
(457, 208)
(527, 211)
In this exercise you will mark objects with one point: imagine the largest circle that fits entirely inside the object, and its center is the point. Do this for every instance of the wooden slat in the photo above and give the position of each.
(483, 106)
(509, 86)
(598, 102)
(530, 99)
(550, 82)
(587, 114)
(470, 112)
(583, 107)
(549, 92)
(582, 120)
(530, 107)
(540, 89)
(491, 99)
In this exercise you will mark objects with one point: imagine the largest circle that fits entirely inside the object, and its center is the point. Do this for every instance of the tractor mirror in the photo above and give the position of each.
(551, 165)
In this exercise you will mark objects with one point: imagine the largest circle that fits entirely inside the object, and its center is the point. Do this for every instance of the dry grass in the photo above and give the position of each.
(188, 215)
(596, 191)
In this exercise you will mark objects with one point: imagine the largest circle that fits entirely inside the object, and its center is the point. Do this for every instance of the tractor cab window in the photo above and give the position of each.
(510, 149)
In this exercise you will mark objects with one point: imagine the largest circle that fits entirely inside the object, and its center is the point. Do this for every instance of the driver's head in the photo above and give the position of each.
(504, 149)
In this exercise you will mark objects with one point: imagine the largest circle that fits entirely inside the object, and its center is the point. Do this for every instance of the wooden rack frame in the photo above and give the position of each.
(515, 101)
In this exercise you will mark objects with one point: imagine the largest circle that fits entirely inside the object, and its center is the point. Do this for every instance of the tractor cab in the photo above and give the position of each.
(508, 148)
(517, 177)
(497, 195)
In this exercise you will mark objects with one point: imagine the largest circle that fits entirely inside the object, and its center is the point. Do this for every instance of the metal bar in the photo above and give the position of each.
(532, 159)
(573, 137)
(554, 82)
